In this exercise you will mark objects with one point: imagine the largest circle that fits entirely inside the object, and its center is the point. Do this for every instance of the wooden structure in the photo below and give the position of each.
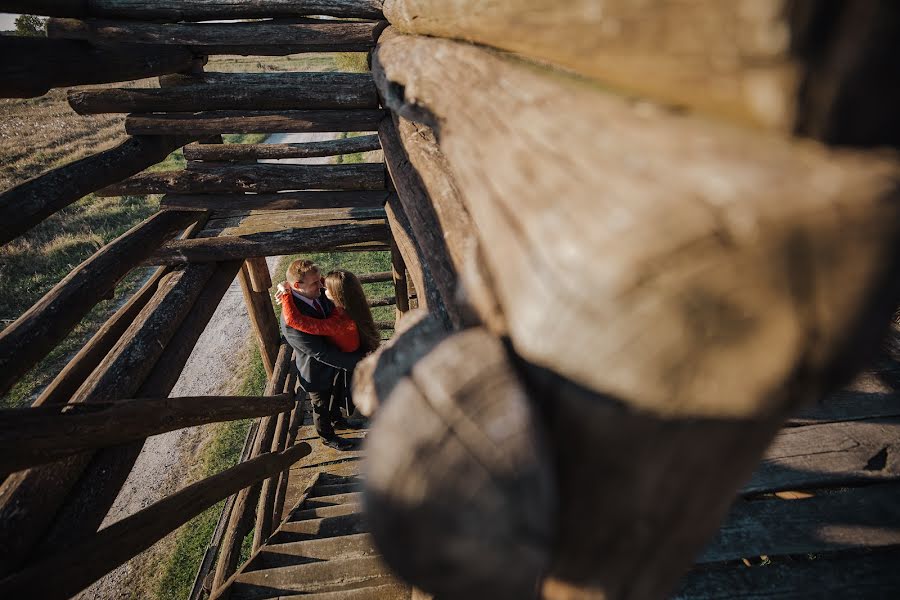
(638, 238)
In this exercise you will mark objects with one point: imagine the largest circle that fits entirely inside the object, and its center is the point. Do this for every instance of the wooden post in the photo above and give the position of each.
(398, 274)
(261, 312)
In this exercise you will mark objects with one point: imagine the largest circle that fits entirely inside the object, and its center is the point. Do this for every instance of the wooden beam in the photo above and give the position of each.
(116, 544)
(808, 67)
(276, 243)
(252, 152)
(88, 503)
(32, 436)
(29, 203)
(260, 278)
(398, 275)
(174, 11)
(375, 277)
(240, 223)
(225, 121)
(41, 327)
(224, 203)
(42, 64)
(388, 301)
(225, 38)
(251, 91)
(30, 499)
(262, 318)
(253, 178)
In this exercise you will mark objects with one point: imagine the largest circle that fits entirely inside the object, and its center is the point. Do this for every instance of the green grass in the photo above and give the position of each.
(353, 62)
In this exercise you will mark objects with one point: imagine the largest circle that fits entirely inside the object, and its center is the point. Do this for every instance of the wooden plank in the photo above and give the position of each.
(726, 329)
(262, 318)
(42, 64)
(173, 11)
(32, 436)
(256, 91)
(29, 203)
(424, 226)
(239, 152)
(225, 38)
(470, 438)
(116, 544)
(276, 243)
(42, 326)
(777, 66)
(284, 219)
(253, 178)
(849, 406)
(831, 454)
(867, 517)
(861, 576)
(226, 121)
(30, 499)
(223, 203)
(375, 277)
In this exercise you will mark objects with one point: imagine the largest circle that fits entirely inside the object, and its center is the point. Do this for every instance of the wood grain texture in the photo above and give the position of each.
(32, 436)
(253, 178)
(457, 454)
(29, 203)
(711, 315)
(256, 91)
(173, 11)
(224, 121)
(223, 204)
(239, 152)
(225, 38)
(42, 64)
(33, 335)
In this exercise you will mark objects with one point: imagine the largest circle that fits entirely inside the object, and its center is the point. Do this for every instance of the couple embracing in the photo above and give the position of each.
(328, 323)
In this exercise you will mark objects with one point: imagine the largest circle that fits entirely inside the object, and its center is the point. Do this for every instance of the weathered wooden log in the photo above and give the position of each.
(32, 436)
(41, 327)
(174, 11)
(387, 301)
(695, 338)
(225, 121)
(262, 318)
(240, 92)
(91, 498)
(226, 38)
(43, 64)
(119, 542)
(30, 499)
(240, 152)
(375, 277)
(398, 275)
(276, 243)
(29, 203)
(457, 454)
(239, 223)
(786, 66)
(265, 509)
(260, 279)
(294, 421)
(222, 203)
(253, 178)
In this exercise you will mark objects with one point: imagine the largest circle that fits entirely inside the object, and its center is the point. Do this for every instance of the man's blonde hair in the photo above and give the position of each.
(298, 270)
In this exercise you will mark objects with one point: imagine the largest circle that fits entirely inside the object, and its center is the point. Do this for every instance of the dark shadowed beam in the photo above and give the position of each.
(239, 152)
(224, 121)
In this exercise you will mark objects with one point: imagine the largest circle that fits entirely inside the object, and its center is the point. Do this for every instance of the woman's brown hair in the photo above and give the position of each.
(347, 292)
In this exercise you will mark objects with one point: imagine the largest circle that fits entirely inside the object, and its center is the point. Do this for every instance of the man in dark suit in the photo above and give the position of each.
(318, 361)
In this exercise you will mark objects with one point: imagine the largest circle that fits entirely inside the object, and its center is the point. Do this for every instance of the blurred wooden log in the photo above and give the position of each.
(41, 327)
(746, 64)
(387, 301)
(253, 178)
(116, 544)
(173, 11)
(456, 454)
(244, 91)
(276, 243)
(424, 226)
(222, 203)
(29, 500)
(224, 121)
(375, 277)
(43, 64)
(31, 436)
(29, 203)
(226, 38)
(239, 152)
(756, 296)
(248, 221)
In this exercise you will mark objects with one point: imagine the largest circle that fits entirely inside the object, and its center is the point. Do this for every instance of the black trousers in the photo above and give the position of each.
(321, 413)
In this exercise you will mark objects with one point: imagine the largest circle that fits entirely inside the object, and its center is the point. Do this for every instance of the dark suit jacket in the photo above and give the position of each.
(317, 358)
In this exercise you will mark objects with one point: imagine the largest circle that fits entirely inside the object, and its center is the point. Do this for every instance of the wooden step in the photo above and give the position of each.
(272, 556)
(326, 511)
(340, 488)
(391, 591)
(320, 528)
(322, 501)
(323, 576)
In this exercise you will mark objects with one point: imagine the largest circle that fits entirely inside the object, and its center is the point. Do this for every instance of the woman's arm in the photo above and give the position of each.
(335, 324)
